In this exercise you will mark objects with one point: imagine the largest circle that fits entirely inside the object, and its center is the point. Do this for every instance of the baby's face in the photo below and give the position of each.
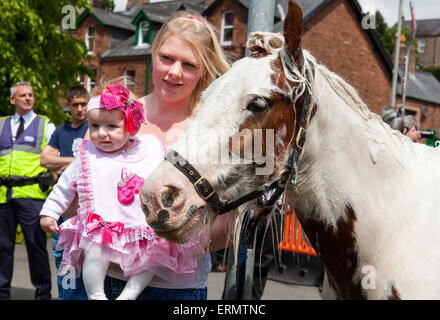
(107, 129)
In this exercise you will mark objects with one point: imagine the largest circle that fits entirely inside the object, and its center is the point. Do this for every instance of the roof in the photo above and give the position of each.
(127, 49)
(108, 18)
(426, 27)
(421, 85)
(160, 11)
(156, 12)
(311, 7)
(242, 3)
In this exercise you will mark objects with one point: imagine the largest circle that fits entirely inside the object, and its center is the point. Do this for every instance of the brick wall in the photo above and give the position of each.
(236, 50)
(113, 68)
(431, 56)
(101, 42)
(335, 38)
(432, 121)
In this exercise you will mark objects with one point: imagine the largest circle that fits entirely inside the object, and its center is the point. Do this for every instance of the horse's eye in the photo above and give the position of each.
(258, 105)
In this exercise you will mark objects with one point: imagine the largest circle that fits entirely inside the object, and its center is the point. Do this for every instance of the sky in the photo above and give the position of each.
(424, 9)
(120, 4)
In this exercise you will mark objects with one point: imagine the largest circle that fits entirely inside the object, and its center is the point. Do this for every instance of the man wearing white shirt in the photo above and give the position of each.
(23, 189)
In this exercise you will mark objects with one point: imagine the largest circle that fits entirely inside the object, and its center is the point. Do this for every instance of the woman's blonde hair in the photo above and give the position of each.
(201, 34)
(104, 82)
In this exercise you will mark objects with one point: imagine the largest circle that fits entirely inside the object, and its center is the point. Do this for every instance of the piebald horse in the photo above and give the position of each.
(366, 196)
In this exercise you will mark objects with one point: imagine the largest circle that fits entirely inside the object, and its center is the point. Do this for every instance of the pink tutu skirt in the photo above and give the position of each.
(134, 250)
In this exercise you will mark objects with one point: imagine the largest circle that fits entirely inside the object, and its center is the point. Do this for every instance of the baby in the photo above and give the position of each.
(107, 174)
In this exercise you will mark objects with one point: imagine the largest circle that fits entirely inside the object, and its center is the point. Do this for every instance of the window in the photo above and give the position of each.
(143, 33)
(421, 45)
(91, 83)
(90, 36)
(129, 76)
(80, 79)
(227, 28)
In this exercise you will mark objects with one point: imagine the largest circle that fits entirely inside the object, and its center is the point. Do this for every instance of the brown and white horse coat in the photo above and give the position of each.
(365, 195)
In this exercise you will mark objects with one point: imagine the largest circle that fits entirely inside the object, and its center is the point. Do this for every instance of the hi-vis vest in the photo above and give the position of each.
(22, 158)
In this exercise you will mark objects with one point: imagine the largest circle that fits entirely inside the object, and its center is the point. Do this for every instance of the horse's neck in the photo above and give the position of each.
(341, 182)
(345, 154)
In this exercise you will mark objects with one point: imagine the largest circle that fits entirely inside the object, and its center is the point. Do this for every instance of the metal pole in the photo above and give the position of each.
(408, 53)
(260, 16)
(396, 58)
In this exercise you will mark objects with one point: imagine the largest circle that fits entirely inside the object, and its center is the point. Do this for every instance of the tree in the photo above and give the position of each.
(387, 35)
(35, 48)
(107, 4)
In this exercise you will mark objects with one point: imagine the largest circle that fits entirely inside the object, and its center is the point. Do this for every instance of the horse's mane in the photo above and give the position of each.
(372, 122)
(273, 43)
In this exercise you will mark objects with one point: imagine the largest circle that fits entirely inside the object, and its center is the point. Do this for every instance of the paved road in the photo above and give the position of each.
(22, 288)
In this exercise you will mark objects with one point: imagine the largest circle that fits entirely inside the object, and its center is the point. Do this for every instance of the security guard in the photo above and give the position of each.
(23, 189)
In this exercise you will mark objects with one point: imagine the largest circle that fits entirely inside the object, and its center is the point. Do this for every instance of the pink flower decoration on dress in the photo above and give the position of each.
(117, 96)
(129, 185)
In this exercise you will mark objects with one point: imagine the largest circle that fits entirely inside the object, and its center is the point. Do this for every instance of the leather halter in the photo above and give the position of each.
(207, 192)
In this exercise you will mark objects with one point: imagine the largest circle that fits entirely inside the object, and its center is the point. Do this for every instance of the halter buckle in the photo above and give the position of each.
(301, 138)
(205, 187)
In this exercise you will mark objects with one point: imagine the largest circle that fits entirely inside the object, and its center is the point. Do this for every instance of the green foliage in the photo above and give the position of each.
(387, 35)
(19, 237)
(34, 48)
(107, 4)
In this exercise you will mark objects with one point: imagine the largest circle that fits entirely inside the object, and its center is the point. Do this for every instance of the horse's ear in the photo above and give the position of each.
(292, 31)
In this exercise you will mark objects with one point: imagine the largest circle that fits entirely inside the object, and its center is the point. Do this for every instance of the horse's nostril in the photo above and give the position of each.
(162, 216)
(145, 210)
(167, 199)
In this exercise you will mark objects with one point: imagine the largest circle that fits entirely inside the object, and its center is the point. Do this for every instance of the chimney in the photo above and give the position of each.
(412, 56)
(95, 3)
(131, 3)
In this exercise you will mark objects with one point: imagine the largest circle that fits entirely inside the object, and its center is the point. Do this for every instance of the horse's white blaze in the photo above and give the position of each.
(223, 119)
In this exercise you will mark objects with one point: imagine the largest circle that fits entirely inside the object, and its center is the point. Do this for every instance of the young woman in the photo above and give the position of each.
(186, 59)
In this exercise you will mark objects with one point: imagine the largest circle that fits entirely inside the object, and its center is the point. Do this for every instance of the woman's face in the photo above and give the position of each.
(177, 68)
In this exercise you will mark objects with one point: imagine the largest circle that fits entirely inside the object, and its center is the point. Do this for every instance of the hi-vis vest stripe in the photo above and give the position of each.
(41, 135)
(22, 158)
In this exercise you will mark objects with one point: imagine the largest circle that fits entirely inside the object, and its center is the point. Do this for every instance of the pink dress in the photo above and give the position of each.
(110, 213)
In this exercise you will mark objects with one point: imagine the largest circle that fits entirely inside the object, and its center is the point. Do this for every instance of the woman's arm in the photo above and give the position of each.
(220, 235)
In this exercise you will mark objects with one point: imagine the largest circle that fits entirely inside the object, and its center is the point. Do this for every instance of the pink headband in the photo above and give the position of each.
(194, 18)
(117, 97)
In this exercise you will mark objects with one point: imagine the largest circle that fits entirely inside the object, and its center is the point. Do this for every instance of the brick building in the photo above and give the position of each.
(428, 42)
(332, 32)
(127, 56)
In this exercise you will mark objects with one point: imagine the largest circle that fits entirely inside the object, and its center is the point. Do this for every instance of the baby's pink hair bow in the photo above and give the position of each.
(116, 96)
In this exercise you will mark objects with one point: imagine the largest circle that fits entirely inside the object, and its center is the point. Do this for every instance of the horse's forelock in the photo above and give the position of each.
(264, 43)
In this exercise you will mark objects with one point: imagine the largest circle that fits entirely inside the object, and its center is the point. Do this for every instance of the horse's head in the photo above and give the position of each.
(240, 138)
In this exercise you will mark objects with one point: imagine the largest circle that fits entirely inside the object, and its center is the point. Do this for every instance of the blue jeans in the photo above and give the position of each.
(113, 287)
(79, 293)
